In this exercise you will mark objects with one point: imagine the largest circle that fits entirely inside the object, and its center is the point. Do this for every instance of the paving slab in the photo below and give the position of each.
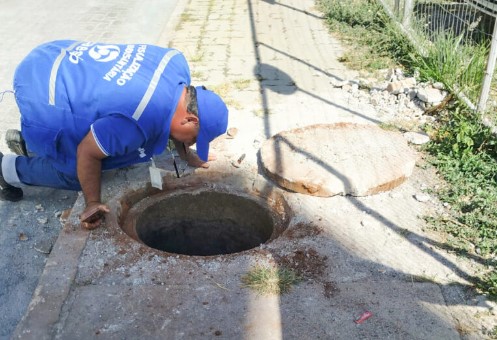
(354, 254)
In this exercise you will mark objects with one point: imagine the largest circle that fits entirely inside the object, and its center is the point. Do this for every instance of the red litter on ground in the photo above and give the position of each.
(364, 316)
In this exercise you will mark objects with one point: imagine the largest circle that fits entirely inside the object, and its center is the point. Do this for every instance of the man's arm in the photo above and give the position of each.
(89, 167)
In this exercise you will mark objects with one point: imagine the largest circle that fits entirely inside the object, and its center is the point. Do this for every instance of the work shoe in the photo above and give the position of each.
(15, 142)
(8, 192)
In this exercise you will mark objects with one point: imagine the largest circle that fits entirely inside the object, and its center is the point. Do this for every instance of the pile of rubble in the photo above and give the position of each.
(397, 97)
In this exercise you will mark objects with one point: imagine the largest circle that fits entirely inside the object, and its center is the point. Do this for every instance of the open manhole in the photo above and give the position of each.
(203, 223)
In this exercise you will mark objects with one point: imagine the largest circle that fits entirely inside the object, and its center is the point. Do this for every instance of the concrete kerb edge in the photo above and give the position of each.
(56, 281)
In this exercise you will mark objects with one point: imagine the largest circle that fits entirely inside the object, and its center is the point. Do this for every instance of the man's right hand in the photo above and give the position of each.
(93, 214)
(194, 160)
(191, 157)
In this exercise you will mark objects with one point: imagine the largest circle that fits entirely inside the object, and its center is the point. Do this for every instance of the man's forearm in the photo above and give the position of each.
(89, 165)
(89, 173)
(181, 148)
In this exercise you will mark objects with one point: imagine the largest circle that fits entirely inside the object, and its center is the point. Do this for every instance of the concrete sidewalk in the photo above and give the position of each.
(274, 63)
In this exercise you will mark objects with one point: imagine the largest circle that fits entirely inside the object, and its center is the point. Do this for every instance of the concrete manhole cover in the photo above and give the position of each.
(344, 158)
(203, 222)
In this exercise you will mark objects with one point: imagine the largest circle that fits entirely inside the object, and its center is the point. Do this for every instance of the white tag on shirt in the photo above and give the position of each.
(155, 176)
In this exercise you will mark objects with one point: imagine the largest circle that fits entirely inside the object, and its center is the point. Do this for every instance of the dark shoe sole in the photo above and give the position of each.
(7, 191)
(15, 142)
(11, 194)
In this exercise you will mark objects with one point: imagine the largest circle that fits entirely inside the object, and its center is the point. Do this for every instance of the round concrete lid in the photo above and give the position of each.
(343, 158)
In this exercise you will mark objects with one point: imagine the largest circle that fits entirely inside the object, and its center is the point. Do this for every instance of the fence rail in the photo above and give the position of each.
(470, 21)
(488, 7)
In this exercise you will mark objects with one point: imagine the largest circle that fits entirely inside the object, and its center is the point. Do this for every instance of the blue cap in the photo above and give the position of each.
(213, 117)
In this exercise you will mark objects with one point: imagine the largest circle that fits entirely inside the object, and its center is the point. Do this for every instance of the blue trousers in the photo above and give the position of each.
(41, 172)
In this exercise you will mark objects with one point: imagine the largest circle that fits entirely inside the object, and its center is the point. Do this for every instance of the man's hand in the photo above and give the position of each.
(194, 160)
(91, 217)
(185, 153)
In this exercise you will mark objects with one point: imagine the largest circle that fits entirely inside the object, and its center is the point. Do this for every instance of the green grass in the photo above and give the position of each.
(197, 58)
(242, 84)
(365, 26)
(493, 333)
(197, 75)
(270, 280)
(463, 150)
(184, 18)
(460, 66)
(224, 90)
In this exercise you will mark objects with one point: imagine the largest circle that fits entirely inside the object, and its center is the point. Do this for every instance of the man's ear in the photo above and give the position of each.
(191, 119)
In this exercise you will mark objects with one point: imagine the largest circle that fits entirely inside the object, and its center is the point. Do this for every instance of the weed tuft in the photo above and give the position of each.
(270, 280)
(460, 66)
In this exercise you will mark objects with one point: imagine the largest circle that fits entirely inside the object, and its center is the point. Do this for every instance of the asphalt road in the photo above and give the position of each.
(28, 228)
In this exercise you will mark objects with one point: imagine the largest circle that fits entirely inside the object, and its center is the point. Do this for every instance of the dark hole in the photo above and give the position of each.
(207, 223)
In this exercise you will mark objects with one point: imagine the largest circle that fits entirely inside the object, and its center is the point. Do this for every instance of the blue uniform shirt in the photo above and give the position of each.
(125, 94)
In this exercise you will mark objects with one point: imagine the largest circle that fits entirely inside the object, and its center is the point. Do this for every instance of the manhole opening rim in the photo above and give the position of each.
(276, 206)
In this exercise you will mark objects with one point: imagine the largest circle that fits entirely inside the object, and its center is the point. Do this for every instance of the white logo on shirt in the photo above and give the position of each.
(75, 55)
(142, 152)
(104, 53)
(128, 65)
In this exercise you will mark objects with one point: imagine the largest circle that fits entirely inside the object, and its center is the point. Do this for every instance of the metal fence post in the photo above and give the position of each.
(396, 9)
(485, 91)
(408, 8)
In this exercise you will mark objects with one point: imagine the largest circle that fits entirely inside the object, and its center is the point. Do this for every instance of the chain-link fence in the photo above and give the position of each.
(467, 22)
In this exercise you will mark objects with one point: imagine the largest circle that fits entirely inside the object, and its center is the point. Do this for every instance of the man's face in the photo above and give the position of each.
(185, 133)
(185, 124)
(190, 142)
